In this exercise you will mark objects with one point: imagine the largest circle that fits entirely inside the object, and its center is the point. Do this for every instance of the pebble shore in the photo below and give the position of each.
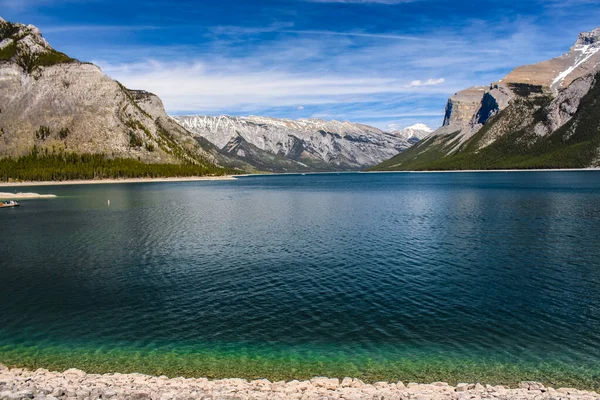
(72, 384)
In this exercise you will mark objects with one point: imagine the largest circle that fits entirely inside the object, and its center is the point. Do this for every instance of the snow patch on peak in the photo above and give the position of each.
(587, 51)
(413, 133)
(421, 127)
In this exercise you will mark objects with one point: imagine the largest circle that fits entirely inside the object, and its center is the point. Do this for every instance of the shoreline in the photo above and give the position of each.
(17, 383)
(116, 181)
(24, 196)
(234, 177)
(485, 170)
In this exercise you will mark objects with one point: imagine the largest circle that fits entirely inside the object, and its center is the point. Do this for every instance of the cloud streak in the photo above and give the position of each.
(428, 82)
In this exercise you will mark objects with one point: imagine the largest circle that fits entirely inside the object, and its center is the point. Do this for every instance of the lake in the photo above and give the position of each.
(490, 277)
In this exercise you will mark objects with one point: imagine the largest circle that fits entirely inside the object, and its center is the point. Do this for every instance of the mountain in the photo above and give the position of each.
(545, 115)
(53, 104)
(414, 133)
(304, 144)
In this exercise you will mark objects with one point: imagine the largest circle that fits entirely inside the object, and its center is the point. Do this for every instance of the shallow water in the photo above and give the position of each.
(493, 277)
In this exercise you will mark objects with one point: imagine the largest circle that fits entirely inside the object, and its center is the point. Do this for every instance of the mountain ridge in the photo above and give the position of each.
(508, 124)
(53, 104)
(311, 143)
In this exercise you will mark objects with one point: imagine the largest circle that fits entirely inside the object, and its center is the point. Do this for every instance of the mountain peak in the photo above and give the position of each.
(420, 127)
(589, 38)
(24, 46)
(413, 133)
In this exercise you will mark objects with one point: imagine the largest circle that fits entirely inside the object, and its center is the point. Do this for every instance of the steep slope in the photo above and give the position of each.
(55, 104)
(536, 117)
(313, 143)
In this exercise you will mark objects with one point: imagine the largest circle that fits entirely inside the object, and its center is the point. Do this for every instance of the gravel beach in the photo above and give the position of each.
(74, 384)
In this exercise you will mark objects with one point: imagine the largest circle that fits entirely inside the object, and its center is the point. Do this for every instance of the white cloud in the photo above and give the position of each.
(361, 77)
(205, 86)
(428, 82)
(300, 108)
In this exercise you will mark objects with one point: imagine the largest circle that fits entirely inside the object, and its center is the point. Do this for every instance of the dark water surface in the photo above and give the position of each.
(491, 277)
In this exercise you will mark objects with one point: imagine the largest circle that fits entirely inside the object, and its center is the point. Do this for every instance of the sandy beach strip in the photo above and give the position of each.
(19, 196)
(114, 181)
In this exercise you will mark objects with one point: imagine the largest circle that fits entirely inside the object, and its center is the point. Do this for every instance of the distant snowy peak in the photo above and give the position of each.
(413, 133)
(341, 144)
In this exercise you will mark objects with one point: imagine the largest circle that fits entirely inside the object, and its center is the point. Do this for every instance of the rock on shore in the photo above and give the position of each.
(73, 384)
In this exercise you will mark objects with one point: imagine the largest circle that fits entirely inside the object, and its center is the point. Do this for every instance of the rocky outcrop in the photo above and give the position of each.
(323, 144)
(462, 107)
(564, 106)
(75, 384)
(58, 104)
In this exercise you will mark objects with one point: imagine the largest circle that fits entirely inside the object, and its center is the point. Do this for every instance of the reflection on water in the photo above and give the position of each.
(371, 274)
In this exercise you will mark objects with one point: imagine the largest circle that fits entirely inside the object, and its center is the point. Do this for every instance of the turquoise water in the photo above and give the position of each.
(491, 277)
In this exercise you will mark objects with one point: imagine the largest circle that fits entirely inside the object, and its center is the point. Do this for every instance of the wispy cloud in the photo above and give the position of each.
(379, 62)
(360, 35)
(350, 79)
(428, 82)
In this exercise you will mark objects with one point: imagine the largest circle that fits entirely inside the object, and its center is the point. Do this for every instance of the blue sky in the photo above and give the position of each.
(387, 63)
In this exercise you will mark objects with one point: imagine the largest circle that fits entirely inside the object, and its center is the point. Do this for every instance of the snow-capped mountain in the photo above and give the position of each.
(543, 115)
(414, 133)
(469, 110)
(311, 143)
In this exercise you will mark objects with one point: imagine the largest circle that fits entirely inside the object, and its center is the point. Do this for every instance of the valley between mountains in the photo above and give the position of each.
(63, 119)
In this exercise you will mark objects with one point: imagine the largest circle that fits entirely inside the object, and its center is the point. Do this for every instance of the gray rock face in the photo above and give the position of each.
(469, 110)
(462, 107)
(50, 101)
(74, 384)
(582, 59)
(589, 38)
(341, 145)
(564, 106)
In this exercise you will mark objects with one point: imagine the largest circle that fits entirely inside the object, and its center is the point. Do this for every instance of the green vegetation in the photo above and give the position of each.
(42, 133)
(63, 133)
(51, 58)
(575, 145)
(30, 62)
(48, 166)
(8, 52)
(8, 30)
(134, 141)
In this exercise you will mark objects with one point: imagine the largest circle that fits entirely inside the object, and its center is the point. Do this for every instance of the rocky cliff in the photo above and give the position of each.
(519, 121)
(306, 144)
(51, 101)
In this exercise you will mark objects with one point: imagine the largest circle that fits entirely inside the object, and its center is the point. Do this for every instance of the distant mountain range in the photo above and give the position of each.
(54, 104)
(301, 145)
(545, 115)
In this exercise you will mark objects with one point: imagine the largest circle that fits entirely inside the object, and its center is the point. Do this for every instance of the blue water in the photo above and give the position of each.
(487, 276)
